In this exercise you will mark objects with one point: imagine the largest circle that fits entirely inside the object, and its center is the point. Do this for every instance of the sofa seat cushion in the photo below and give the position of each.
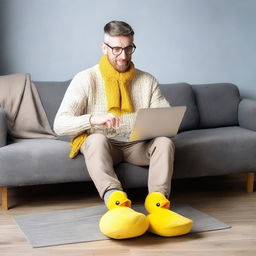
(209, 152)
(39, 161)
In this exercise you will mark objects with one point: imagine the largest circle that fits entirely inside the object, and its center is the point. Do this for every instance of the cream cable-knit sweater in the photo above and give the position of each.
(85, 96)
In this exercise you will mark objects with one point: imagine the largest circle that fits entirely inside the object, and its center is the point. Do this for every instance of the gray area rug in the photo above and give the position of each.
(81, 225)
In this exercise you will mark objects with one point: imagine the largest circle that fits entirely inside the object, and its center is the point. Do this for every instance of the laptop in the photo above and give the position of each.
(155, 122)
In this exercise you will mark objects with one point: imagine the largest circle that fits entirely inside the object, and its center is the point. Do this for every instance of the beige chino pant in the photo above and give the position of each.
(102, 154)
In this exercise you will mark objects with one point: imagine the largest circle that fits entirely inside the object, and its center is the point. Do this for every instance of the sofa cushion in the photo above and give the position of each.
(182, 94)
(216, 151)
(217, 104)
(49, 163)
(51, 95)
(205, 152)
(39, 161)
(247, 114)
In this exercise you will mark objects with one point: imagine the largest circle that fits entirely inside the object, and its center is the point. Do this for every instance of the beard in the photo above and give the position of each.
(120, 66)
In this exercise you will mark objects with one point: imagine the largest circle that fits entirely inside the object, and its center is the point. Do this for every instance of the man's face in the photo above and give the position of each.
(122, 61)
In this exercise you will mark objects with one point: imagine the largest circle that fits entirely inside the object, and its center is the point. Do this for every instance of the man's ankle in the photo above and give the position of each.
(107, 195)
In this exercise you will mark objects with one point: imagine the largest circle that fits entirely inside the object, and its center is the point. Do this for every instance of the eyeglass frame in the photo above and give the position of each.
(123, 48)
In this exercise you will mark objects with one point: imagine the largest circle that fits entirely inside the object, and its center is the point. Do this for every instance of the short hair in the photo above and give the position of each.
(118, 28)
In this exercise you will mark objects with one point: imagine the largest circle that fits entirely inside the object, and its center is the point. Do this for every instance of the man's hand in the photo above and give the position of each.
(109, 120)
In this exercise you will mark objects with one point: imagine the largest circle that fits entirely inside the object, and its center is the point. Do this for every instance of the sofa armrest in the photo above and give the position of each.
(3, 128)
(247, 114)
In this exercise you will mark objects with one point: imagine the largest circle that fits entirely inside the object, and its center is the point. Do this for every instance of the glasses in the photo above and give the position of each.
(118, 50)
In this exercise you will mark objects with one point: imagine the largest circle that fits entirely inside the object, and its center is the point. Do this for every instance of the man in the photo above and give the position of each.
(99, 108)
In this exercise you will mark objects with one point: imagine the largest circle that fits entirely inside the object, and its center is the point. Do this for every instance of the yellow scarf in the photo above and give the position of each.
(117, 89)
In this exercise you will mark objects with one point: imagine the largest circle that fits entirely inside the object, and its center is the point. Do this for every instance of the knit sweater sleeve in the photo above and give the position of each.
(70, 118)
(157, 98)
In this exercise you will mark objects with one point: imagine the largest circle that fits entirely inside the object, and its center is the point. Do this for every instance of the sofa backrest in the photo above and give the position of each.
(179, 94)
(208, 105)
(217, 104)
(51, 95)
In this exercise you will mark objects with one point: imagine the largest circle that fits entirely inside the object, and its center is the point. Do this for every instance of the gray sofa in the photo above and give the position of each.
(216, 137)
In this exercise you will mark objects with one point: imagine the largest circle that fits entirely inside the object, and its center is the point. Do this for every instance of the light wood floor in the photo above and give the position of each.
(221, 197)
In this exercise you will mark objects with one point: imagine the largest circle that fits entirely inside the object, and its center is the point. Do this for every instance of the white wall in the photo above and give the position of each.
(194, 41)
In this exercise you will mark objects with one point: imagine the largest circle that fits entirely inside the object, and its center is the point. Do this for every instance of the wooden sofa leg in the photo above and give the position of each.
(250, 182)
(4, 193)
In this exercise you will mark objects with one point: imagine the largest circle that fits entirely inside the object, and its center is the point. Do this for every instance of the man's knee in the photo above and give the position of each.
(96, 140)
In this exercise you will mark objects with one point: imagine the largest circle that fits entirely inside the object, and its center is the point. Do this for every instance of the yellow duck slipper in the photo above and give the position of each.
(121, 221)
(162, 221)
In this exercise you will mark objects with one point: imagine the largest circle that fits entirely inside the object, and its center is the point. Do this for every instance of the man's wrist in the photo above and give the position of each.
(90, 120)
